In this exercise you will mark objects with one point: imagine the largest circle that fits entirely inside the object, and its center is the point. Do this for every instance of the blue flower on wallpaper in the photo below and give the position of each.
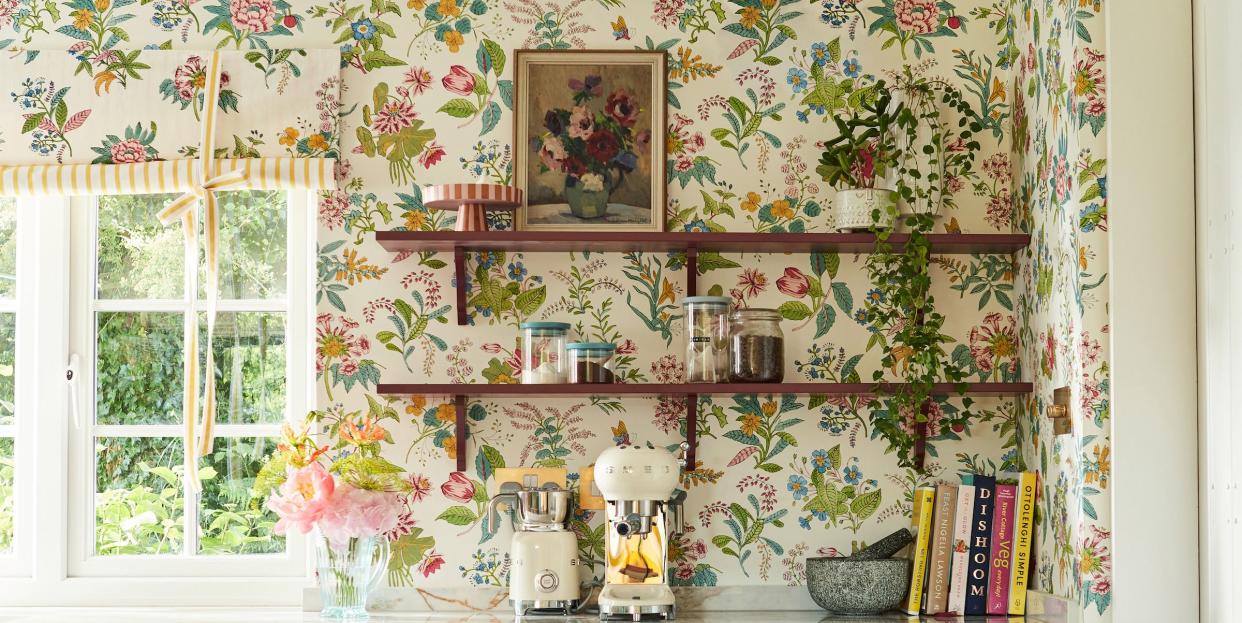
(805, 522)
(697, 225)
(851, 67)
(363, 29)
(799, 486)
(820, 460)
(852, 474)
(797, 79)
(820, 53)
(802, 116)
(517, 271)
(819, 516)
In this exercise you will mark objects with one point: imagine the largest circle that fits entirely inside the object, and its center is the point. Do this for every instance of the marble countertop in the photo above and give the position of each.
(291, 615)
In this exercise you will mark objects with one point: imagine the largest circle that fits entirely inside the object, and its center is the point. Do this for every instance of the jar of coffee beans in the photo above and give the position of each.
(591, 362)
(758, 346)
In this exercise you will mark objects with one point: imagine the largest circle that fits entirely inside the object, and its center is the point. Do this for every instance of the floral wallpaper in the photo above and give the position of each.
(1061, 180)
(426, 96)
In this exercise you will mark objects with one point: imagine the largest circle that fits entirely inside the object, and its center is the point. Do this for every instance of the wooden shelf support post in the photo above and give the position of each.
(692, 430)
(692, 274)
(459, 434)
(459, 268)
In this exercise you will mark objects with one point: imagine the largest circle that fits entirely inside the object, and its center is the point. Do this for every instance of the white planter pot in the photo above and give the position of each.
(855, 207)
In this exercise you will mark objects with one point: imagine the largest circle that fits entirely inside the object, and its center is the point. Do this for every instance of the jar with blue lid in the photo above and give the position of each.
(543, 352)
(707, 338)
(591, 362)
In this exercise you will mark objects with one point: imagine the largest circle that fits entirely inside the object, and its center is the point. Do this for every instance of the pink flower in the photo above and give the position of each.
(359, 513)
(253, 15)
(667, 13)
(303, 498)
(999, 209)
(752, 282)
(581, 122)
(458, 488)
(392, 117)
(917, 16)
(419, 80)
(953, 184)
(430, 563)
(430, 156)
(189, 77)
(794, 283)
(405, 524)
(332, 208)
(683, 164)
(552, 154)
(992, 344)
(492, 348)
(129, 150)
(420, 487)
(997, 167)
(459, 80)
(8, 9)
(627, 347)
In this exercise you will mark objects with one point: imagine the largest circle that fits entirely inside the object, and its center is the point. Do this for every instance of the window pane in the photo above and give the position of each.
(139, 376)
(8, 332)
(8, 247)
(249, 366)
(138, 257)
(252, 245)
(7, 499)
(139, 506)
(232, 520)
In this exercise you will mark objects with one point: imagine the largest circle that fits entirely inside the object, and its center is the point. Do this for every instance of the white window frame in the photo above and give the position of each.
(50, 475)
(16, 563)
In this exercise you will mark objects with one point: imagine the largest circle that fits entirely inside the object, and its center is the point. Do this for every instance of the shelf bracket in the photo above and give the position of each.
(459, 434)
(692, 430)
(692, 276)
(459, 266)
(920, 436)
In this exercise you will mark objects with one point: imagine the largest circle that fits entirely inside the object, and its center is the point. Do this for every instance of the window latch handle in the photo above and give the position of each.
(71, 379)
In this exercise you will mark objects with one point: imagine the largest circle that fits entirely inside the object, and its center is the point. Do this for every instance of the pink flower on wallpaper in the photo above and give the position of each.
(430, 563)
(405, 524)
(1089, 349)
(303, 499)
(129, 150)
(418, 79)
(333, 206)
(668, 414)
(253, 15)
(997, 167)
(994, 345)
(917, 16)
(393, 117)
(458, 488)
(627, 347)
(459, 80)
(8, 10)
(999, 209)
(794, 283)
(420, 487)
(953, 184)
(909, 419)
(751, 282)
(430, 156)
(668, 369)
(667, 13)
(335, 340)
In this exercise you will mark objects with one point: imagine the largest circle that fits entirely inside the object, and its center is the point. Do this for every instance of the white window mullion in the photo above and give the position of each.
(189, 539)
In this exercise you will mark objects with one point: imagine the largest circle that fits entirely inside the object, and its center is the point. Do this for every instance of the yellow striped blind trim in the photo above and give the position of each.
(165, 176)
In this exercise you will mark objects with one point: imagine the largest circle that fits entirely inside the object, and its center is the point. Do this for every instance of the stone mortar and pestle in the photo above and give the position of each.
(868, 582)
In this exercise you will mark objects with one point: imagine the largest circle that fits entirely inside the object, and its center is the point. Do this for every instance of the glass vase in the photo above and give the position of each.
(347, 573)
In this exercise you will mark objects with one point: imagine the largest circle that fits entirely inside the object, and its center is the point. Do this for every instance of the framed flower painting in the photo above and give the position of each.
(589, 138)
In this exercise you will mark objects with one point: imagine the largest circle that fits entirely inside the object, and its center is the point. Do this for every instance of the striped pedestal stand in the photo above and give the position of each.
(472, 201)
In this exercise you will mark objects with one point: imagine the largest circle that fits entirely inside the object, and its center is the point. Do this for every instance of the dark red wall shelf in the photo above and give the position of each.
(459, 243)
(462, 392)
(736, 242)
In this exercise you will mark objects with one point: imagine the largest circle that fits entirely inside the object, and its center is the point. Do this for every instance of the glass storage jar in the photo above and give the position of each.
(543, 352)
(591, 362)
(707, 338)
(757, 345)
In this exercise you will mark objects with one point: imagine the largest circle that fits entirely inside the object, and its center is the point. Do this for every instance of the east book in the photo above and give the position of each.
(921, 520)
(961, 546)
(1002, 549)
(941, 550)
(1024, 522)
(980, 545)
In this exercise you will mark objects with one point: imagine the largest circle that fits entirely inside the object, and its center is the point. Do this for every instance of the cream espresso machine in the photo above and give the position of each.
(643, 509)
(544, 578)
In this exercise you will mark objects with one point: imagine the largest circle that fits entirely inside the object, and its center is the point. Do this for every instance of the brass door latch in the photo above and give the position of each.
(1059, 412)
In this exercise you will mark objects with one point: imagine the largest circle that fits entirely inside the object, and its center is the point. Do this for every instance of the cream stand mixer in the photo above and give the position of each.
(644, 506)
(544, 577)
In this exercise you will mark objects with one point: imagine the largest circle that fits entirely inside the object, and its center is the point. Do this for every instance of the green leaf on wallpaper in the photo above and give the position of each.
(770, 468)
(769, 60)
(715, 290)
(834, 458)
(409, 550)
(491, 117)
(845, 300)
(458, 516)
(794, 310)
(496, 55)
(488, 461)
(379, 96)
(459, 107)
(713, 260)
(866, 504)
(530, 301)
(505, 87)
(378, 58)
(824, 321)
(787, 31)
(32, 121)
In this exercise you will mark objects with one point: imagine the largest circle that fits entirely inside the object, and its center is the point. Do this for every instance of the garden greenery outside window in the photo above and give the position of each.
(8, 387)
(133, 285)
